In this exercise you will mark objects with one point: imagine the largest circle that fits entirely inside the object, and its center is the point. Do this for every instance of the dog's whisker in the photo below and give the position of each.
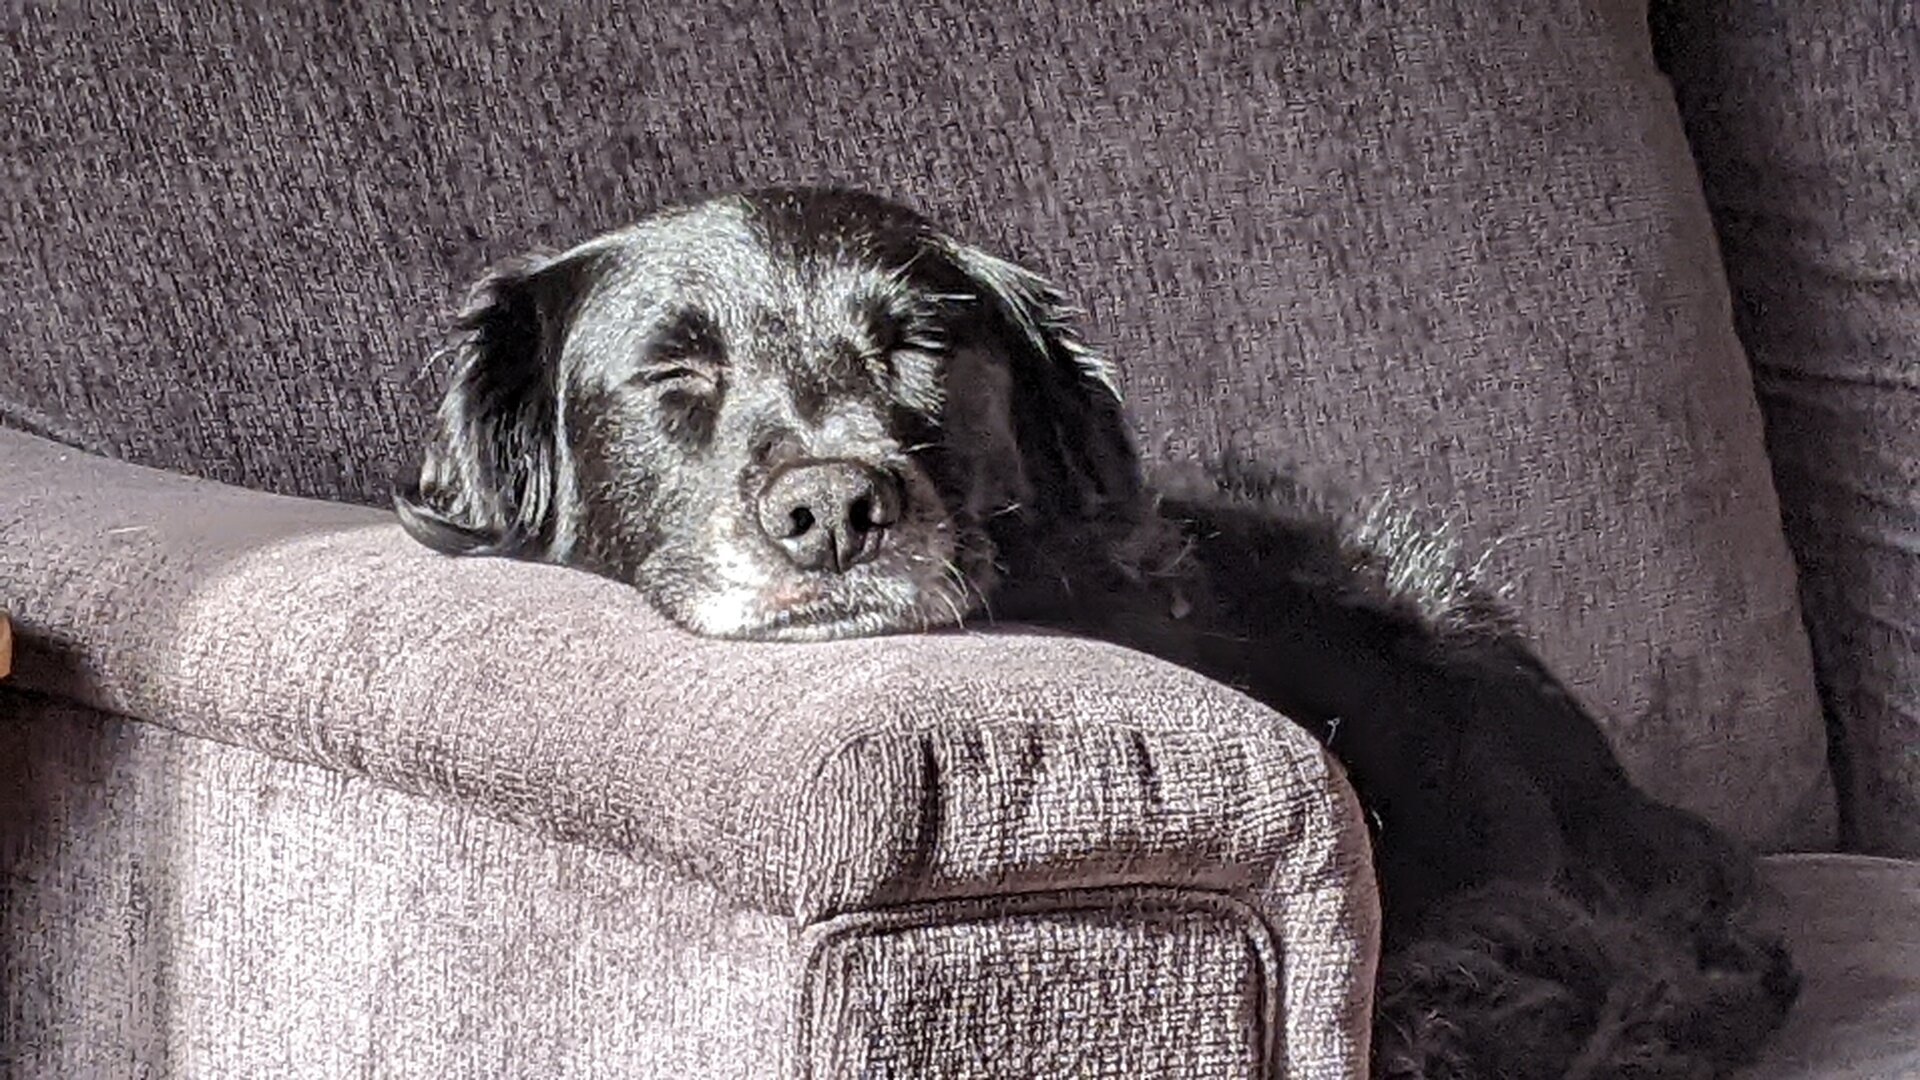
(1172, 567)
(959, 620)
(967, 590)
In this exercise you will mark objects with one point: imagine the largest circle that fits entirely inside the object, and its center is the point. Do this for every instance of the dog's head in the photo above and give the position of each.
(788, 414)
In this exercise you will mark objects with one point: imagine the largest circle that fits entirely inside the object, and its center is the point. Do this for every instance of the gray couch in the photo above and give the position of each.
(1628, 306)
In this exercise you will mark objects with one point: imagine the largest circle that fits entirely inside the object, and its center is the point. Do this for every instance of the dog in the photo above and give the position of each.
(803, 414)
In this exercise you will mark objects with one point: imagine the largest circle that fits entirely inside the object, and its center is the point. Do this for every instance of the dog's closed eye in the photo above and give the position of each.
(674, 375)
(686, 355)
(679, 378)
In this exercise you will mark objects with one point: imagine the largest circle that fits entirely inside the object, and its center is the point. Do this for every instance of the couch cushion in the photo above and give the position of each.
(1854, 923)
(1432, 247)
(1807, 120)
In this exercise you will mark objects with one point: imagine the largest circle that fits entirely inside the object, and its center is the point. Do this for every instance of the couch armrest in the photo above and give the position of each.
(800, 779)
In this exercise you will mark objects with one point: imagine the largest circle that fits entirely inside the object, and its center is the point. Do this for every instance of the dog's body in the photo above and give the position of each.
(803, 414)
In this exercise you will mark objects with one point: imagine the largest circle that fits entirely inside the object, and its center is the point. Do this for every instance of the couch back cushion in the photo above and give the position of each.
(1807, 118)
(1448, 249)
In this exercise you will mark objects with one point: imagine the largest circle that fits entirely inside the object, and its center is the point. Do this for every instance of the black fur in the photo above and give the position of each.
(625, 407)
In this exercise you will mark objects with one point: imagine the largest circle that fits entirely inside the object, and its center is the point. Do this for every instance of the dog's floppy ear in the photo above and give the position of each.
(487, 481)
(1066, 397)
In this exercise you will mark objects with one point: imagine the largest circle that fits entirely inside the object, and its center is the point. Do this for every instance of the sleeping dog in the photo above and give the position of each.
(806, 414)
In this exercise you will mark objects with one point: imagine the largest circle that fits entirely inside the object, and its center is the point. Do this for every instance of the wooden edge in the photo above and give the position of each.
(6, 646)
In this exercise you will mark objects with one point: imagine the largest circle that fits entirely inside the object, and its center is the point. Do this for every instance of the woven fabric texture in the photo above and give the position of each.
(196, 909)
(1046, 991)
(1807, 117)
(175, 906)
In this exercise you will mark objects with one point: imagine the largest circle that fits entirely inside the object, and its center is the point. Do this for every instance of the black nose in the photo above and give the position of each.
(829, 515)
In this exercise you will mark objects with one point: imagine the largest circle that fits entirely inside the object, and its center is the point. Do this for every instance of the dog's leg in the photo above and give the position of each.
(1504, 982)
(1528, 981)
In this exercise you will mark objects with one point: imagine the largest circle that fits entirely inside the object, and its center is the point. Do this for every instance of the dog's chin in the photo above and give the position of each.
(763, 615)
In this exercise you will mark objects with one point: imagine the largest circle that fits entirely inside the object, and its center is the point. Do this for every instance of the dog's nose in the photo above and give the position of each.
(829, 515)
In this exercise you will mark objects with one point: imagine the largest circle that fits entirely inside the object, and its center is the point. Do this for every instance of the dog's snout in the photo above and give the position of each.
(829, 515)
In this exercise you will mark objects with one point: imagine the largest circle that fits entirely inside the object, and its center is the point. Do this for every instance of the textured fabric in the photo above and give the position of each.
(1807, 120)
(1854, 923)
(177, 907)
(1047, 991)
(209, 911)
(802, 780)
(1450, 248)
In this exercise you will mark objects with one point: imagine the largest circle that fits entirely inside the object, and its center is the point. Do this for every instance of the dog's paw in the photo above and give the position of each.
(1441, 1020)
(1523, 981)
(1506, 989)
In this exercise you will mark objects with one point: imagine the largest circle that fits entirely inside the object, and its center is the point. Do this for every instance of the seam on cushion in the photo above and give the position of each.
(1259, 936)
(799, 812)
(1344, 846)
(41, 424)
(801, 809)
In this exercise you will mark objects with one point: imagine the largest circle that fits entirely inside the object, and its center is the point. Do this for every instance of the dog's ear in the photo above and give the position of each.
(488, 478)
(1066, 398)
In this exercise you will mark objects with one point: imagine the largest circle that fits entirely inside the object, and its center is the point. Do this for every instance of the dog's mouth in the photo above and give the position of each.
(824, 621)
(808, 612)
(866, 602)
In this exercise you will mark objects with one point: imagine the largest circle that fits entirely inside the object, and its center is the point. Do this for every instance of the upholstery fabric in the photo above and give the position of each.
(1450, 249)
(1037, 990)
(1854, 922)
(190, 908)
(801, 781)
(1807, 120)
(175, 906)
(206, 910)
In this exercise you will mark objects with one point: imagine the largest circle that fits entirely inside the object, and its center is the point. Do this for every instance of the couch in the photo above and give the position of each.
(1623, 301)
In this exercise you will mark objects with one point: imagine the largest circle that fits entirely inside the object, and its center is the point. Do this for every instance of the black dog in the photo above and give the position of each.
(801, 414)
